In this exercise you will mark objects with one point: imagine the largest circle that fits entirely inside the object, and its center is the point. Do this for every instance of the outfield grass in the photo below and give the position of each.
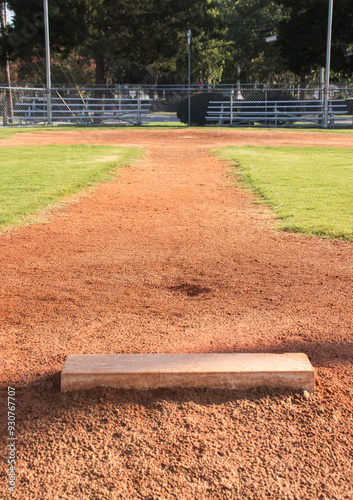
(33, 178)
(310, 189)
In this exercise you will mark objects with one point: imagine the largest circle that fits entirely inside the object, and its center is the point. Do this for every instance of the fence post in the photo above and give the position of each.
(139, 121)
(4, 110)
(328, 62)
(47, 62)
(189, 76)
(220, 122)
(49, 113)
(231, 106)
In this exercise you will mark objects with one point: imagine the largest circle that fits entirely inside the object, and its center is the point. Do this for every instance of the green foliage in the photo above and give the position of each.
(26, 36)
(199, 105)
(271, 95)
(302, 36)
(123, 39)
(207, 60)
(248, 24)
(310, 188)
(145, 42)
(69, 70)
(349, 103)
(32, 178)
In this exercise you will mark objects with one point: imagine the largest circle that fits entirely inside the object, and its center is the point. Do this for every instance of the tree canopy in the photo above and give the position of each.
(118, 34)
(302, 36)
(248, 24)
(144, 41)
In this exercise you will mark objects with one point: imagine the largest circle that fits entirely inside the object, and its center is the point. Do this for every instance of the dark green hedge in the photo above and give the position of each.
(199, 107)
(349, 103)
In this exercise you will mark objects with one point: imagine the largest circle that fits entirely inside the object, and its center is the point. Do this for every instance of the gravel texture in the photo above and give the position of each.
(172, 257)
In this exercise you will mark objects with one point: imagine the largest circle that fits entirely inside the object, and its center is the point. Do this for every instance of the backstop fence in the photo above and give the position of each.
(204, 105)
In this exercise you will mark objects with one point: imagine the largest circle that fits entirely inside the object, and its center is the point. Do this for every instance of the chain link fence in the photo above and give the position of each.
(172, 105)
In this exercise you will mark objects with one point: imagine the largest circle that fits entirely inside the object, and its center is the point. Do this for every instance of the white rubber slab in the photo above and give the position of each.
(215, 371)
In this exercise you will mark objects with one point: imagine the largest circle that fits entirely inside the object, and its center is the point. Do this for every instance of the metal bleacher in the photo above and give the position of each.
(274, 113)
(81, 110)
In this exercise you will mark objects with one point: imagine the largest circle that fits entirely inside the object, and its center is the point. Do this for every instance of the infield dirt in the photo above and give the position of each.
(169, 257)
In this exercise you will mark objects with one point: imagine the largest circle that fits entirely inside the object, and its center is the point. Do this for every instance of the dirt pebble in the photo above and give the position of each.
(170, 257)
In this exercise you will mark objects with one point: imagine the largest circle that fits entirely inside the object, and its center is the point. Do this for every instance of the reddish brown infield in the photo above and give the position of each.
(171, 258)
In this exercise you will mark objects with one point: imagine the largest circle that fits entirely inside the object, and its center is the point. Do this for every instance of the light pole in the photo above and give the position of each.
(47, 61)
(189, 77)
(328, 60)
(8, 108)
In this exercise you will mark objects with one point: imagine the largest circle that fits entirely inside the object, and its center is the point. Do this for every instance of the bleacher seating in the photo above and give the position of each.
(79, 110)
(272, 113)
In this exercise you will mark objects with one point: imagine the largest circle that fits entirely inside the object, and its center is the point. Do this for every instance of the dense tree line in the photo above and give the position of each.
(139, 40)
(303, 32)
(144, 41)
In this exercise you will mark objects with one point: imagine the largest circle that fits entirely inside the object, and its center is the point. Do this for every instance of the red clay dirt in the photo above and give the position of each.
(172, 257)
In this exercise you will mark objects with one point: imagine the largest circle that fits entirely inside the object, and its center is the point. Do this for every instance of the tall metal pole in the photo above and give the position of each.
(47, 61)
(328, 61)
(189, 77)
(8, 107)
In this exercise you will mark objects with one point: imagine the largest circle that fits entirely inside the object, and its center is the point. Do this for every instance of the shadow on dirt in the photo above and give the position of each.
(320, 354)
(43, 399)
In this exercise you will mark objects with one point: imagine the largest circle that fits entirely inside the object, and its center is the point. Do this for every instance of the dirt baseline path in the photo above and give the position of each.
(171, 257)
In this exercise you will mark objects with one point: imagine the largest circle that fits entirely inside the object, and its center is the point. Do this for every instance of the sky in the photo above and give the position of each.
(9, 15)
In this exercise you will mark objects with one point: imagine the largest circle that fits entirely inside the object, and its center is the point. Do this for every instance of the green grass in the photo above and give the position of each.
(33, 178)
(165, 125)
(310, 189)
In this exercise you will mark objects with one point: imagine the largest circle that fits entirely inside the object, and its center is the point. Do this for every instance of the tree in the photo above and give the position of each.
(4, 56)
(69, 70)
(248, 23)
(115, 33)
(302, 36)
(207, 59)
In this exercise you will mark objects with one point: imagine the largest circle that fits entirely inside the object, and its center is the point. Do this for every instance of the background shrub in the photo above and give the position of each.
(199, 107)
(349, 103)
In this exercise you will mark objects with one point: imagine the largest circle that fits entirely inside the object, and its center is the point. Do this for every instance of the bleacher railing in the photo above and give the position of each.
(150, 104)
